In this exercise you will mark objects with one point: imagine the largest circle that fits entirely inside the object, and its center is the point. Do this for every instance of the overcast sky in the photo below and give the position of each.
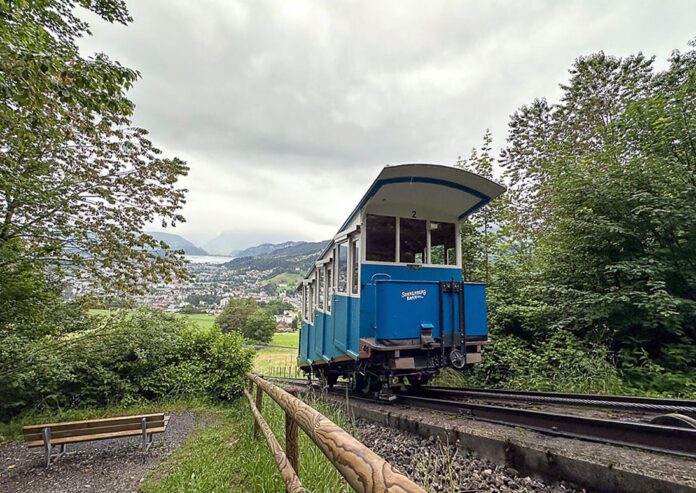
(286, 110)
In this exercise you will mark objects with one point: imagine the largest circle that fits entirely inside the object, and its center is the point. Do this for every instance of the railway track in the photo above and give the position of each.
(630, 403)
(675, 440)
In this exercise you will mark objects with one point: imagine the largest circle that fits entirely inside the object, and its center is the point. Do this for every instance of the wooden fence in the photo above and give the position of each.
(364, 470)
(288, 371)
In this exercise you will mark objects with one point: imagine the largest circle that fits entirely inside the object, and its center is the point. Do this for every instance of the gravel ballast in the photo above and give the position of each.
(114, 466)
(443, 467)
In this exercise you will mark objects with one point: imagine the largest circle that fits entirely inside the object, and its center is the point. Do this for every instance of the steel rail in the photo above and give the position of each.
(673, 440)
(650, 404)
(654, 437)
(626, 402)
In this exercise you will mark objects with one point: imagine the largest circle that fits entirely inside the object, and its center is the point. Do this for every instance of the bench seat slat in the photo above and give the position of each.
(98, 436)
(94, 422)
(60, 433)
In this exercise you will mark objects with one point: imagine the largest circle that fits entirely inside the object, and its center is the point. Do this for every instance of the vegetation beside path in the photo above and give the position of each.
(225, 456)
(220, 456)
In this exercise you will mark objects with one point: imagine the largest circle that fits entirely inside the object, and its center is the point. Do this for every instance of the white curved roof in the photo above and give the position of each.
(432, 191)
(436, 192)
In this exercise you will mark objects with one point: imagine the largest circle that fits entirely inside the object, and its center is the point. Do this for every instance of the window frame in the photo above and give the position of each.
(457, 244)
(345, 243)
(328, 286)
(396, 238)
(321, 287)
(304, 301)
(355, 247)
(428, 262)
(426, 226)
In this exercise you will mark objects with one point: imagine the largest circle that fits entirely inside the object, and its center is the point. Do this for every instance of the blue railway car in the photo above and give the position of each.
(385, 300)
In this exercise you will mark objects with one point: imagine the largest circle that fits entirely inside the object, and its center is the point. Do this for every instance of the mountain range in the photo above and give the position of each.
(177, 242)
(292, 256)
(265, 248)
(223, 244)
(288, 256)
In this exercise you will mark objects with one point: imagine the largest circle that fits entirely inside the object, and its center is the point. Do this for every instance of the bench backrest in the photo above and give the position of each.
(94, 426)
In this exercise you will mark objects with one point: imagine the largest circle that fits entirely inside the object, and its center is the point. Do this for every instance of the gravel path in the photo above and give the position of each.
(441, 467)
(113, 466)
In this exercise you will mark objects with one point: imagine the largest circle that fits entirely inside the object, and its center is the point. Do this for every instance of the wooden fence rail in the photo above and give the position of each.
(287, 471)
(364, 470)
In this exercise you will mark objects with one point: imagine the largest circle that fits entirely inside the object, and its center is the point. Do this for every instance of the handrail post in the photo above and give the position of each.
(259, 407)
(291, 449)
(365, 471)
(292, 482)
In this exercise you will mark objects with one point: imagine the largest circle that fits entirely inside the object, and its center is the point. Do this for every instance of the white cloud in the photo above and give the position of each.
(286, 111)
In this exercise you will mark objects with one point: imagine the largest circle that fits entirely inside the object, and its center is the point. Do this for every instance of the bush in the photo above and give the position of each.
(137, 356)
(647, 376)
(561, 363)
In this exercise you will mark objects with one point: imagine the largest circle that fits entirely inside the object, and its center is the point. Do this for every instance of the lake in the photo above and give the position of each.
(207, 259)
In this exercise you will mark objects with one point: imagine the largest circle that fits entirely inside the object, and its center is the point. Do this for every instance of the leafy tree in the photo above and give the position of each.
(260, 326)
(77, 181)
(235, 314)
(602, 189)
(244, 316)
(189, 309)
(481, 230)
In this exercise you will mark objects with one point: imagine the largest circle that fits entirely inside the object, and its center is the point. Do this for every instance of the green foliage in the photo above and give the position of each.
(124, 358)
(31, 304)
(191, 310)
(276, 306)
(196, 299)
(243, 315)
(479, 239)
(226, 456)
(77, 181)
(260, 326)
(561, 363)
(597, 234)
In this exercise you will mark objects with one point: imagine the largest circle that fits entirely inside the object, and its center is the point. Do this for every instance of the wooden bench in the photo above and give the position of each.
(61, 434)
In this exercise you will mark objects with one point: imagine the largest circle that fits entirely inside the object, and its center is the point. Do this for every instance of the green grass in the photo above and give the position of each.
(274, 361)
(203, 321)
(290, 279)
(289, 339)
(225, 456)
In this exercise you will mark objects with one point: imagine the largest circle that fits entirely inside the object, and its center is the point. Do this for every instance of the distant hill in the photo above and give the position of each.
(296, 257)
(226, 243)
(177, 242)
(265, 248)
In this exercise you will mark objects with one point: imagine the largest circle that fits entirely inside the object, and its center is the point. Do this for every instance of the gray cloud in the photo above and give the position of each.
(286, 111)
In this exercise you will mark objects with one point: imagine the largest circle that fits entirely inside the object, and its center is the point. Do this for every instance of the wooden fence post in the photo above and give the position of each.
(365, 471)
(291, 445)
(259, 406)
